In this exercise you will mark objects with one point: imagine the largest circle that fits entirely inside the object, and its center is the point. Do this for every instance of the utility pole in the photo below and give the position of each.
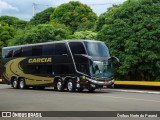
(33, 8)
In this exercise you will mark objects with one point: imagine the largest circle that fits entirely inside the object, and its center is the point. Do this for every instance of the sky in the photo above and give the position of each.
(23, 9)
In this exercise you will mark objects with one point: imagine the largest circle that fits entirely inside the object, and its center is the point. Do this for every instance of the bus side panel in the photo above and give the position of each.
(6, 77)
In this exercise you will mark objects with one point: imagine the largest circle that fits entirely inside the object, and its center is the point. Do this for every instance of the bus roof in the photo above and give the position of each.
(43, 43)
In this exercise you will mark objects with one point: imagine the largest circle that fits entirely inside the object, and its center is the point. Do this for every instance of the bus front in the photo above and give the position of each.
(97, 66)
(100, 65)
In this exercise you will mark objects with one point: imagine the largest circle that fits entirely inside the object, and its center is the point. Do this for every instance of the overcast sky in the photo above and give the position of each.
(23, 8)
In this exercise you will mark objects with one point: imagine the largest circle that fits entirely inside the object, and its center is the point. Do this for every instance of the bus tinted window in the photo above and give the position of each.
(4, 53)
(60, 48)
(97, 49)
(37, 50)
(37, 69)
(77, 48)
(61, 69)
(17, 52)
(45, 69)
(26, 51)
(48, 49)
(9, 53)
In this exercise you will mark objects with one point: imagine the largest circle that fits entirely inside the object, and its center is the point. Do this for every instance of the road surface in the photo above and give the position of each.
(101, 100)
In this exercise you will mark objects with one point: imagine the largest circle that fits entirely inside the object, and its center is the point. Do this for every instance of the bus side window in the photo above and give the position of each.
(17, 52)
(26, 51)
(61, 69)
(9, 53)
(60, 49)
(37, 50)
(48, 49)
(4, 53)
(46, 69)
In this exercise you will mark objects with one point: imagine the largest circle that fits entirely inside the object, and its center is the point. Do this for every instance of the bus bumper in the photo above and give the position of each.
(100, 82)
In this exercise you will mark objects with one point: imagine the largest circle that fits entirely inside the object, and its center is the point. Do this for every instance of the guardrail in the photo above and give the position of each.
(138, 83)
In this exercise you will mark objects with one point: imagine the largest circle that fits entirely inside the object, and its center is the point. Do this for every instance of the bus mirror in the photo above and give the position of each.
(115, 58)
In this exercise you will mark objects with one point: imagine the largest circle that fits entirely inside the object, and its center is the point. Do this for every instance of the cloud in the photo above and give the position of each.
(4, 6)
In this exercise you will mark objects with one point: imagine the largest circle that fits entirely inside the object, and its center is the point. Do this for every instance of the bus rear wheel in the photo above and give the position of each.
(15, 83)
(59, 85)
(22, 84)
(70, 86)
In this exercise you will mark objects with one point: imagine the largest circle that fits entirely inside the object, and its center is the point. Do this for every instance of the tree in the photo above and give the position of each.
(6, 33)
(85, 35)
(73, 14)
(131, 31)
(42, 17)
(102, 18)
(13, 21)
(40, 33)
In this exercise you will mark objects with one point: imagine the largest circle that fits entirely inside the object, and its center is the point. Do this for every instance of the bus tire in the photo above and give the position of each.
(15, 83)
(22, 84)
(59, 85)
(71, 86)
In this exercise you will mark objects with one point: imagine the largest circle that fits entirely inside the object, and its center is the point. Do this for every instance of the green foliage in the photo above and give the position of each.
(13, 21)
(85, 35)
(39, 33)
(131, 31)
(20, 24)
(89, 26)
(6, 33)
(73, 14)
(8, 20)
(101, 21)
(42, 17)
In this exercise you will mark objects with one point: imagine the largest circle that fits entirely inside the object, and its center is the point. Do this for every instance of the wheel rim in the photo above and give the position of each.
(59, 85)
(21, 84)
(15, 83)
(70, 86)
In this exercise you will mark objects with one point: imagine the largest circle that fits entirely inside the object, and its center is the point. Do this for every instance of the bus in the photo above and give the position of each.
(68, 64)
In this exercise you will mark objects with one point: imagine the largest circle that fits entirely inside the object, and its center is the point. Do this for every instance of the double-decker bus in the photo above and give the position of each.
(69, 64)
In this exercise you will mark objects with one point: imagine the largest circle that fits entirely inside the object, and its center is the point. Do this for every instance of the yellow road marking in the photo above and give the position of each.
(143, 83)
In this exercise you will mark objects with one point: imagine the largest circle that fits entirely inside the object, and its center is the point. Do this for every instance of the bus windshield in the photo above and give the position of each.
(97, 49)
(101, 69)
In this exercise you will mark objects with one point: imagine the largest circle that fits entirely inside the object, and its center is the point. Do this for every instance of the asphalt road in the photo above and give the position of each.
(101, 100)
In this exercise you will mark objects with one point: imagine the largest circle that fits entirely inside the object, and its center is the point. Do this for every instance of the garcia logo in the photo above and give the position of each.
(39, 60)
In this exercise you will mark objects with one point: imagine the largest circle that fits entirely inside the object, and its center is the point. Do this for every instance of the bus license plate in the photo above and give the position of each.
(104, 86)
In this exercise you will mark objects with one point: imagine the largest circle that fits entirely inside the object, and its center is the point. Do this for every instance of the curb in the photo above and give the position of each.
(137, 83)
